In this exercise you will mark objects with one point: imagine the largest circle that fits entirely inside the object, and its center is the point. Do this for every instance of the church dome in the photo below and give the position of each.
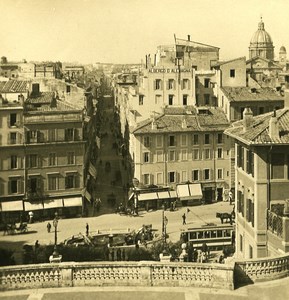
(282, 50)
(261, 37)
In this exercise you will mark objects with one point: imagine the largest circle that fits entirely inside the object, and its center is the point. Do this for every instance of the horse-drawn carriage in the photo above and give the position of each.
(15, 228)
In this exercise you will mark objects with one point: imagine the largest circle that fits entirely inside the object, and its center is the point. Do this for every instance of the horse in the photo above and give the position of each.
(225, 216)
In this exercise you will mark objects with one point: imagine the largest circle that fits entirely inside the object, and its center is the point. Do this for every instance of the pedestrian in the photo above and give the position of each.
(118, 254)
(37, 245)
(87, 229)
(48, 227)
(231, 197)
(30, 217)
(184, 219)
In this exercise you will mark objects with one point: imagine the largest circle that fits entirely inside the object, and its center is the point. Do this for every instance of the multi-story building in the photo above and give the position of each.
(41, 157)
(183, 144)
(262, 183)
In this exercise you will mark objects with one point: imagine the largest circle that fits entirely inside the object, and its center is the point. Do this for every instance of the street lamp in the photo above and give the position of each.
(164, 228)
(55, 223)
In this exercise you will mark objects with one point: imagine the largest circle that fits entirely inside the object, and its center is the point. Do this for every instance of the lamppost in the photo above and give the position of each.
(55, 223)
(164, 228)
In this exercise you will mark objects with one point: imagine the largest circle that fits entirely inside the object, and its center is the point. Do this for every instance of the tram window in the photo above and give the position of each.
(227, 233)
(207, 234)
(213, 233)
(193, 235)
(219, 233)
(200, 235)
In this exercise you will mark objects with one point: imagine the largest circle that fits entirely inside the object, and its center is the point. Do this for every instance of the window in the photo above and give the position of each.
(14, 185)
(140, 99)
(184, 176)
(250, 162)
(13, 120)
(172, 177)
(171, 99)
(197, 100)
(146, 178)
(261, 110)
(278, 165)
(171, 84)
(207, 174)
(52, 183)
(160, 156)
(172, 155)
(13, 138)
(184, 154)
(207, 99)
(220, 173)
(220, 138)
(195, 139)
(146, 157)
(158, 99)
(250, 211)
(70, 181)
(207, 82)
(159, 142)
(32, 136)
(172, 141)
(32, 159)
(207, 139)
(33, 184)
(70, 158)
(13, 162)
(250, 251)
(51, 135)
(240, 156)
(185, 84)
(220, 152)
(185, 99)
(52, 159)
(69, 134)
(196, 154)
(195, 175)
(207, 153)
(158, 84)
(160, 179)
(183, 140)
(241, 243)
(147, 141)
(232, 73)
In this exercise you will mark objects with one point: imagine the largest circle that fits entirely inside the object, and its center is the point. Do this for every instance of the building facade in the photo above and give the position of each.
(183, 145)
(261, 183)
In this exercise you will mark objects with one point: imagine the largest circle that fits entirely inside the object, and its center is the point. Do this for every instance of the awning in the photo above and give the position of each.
(173, 194)
(164, 195)
(55, 203)
(147, 196)
(75, 201)
(28, 206)
(183, 190)
(196, 191)
(12, 206)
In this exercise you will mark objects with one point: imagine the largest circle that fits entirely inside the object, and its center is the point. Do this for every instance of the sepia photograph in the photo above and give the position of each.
(144, 149)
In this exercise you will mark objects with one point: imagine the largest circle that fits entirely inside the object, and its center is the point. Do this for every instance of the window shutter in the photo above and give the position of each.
(9, 187)
(0, 139)
(39, 161)
(8, 121)
(174, 84)
(168, 84)
(161, 84)
(151, 179)
(19, 186)
(66, 182)
(155, 85)
(1, 164)
(189, 84)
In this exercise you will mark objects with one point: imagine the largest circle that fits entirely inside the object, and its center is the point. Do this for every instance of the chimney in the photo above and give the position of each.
(273, 126)
(247, 118)
(189, 38)
(21, 99)
(154, 124)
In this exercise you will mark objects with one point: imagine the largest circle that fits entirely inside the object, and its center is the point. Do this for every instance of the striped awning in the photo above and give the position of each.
(147, 196)
(55, 203)
(28, 206)
(183, 190)
(196, 191)
(164, 195)
(75, 201)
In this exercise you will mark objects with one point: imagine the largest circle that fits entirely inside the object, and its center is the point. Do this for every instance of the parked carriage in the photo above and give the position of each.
(15, 228)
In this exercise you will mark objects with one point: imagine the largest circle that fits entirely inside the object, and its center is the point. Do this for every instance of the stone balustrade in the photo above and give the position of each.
(261, 269)
(118, 274)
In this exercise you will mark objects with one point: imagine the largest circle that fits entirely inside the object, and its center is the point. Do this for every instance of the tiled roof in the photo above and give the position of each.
(245, 94)
(213, 120)
(44, 97)
(219, 63)
(258, 132)
(13, 86)
(61, 106)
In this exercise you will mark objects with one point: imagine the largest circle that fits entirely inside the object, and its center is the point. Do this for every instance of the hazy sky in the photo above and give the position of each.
(125, 31)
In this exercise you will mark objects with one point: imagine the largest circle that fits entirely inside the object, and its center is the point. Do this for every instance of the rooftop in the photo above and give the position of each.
(247, 94)
(43, 97)
(14, 86)
(258, 132)
(178, 119)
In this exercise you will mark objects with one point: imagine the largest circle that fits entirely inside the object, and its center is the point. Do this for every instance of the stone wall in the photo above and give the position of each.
(117, 274)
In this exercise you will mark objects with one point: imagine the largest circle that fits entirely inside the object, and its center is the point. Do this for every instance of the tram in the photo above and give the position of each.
(215, 236)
